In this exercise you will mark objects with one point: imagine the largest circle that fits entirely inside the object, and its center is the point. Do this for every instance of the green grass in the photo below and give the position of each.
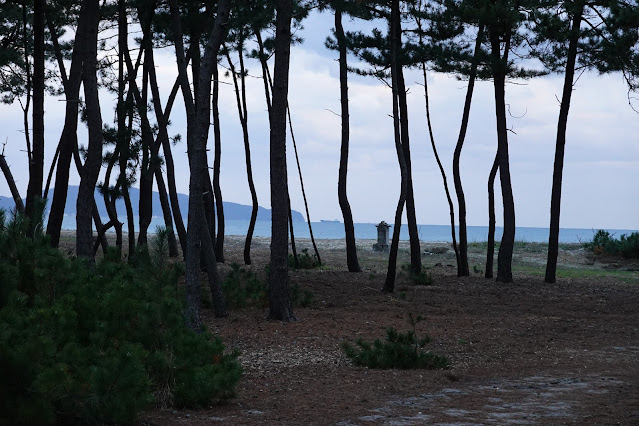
(534, 269)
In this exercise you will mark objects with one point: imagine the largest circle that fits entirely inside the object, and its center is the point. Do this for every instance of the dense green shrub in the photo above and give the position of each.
(84, 343)
(400, 350)
(304, 260)
(626, 246)
(243, 288)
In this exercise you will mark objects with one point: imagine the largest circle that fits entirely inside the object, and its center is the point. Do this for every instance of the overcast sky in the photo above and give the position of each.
(601, 165)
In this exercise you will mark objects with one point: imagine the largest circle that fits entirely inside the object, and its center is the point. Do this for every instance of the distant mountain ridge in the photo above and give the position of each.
(232, 211)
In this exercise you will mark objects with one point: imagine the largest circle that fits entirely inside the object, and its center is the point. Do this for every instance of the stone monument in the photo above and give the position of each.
(382, 237)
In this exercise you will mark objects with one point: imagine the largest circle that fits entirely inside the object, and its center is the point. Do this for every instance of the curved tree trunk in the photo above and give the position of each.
(69, 137)
(441, 168)
(219, 205)
(389, 283)
(462, 266)
(504, 258)
(490, 248)
(351, 249)
(555, 201)
(91, 168)
(279, 298)
(240, 97)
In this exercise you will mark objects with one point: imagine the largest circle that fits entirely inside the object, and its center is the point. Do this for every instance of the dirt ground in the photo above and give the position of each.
(520, 353)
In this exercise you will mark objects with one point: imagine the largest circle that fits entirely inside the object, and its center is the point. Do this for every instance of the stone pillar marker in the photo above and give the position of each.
(382, 237)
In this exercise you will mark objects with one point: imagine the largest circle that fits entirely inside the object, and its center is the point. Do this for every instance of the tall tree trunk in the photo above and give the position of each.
(462, 265)
(124, 132)
(415, 250)
(69, 137)
(240, 97)
(504, 258)
(198, 122)
(91, 168)
(555, 201)
(280, 303)
(27, 105)
(147, 173)
(389, 284)
(352, 261)
(219, 205)
(451, 209)
(36, 163)
(490, 248)
(299, 170)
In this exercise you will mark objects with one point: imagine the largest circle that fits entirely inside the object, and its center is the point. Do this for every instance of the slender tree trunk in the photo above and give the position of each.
(240, 97)
(69, 137)
(451, 208)
(124, 108)
(27, 105)
(490, 249)
(198, 121)
(166, 210)
(219, 205)
(352, 261)
(292, 233)
(504, 258)
(6, 171)
(462, 266)
(280, 304)
(555, 200)
(415, 250)
(36, 164)
(109, 202)
(91, 168)
(389, 284)
(299, 170)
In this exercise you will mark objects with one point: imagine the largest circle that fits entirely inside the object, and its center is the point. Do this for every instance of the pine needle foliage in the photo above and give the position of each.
(605, 244)
(97, 343)
(242, 288)
(399, 350)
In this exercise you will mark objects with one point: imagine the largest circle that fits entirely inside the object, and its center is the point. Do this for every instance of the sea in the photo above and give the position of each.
(368, 231)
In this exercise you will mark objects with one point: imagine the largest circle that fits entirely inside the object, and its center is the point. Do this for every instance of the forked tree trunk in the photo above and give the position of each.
(555, 201)
(279, 298)
(69, 137)
(349, 229)
(490, 247)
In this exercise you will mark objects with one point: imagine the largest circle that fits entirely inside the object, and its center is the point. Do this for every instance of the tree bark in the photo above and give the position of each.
(69, 137)
(91, 168)
(490, 247)
(36, 163)
(555, 200)
(219, 204)
(240, 97)
(198, 122)
(504, 258)
(166, 210)
(6, 171)
(415, 250)
(389, 284)
(352, 261)
(462, 265)
(280, 304)
(451, 209)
